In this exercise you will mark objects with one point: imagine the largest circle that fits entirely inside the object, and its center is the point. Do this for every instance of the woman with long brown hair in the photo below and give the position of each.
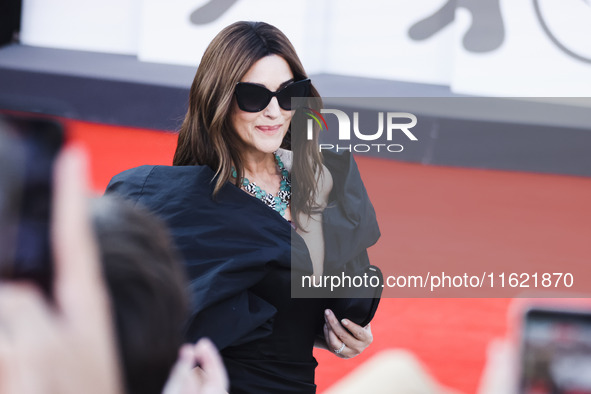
(229, 203)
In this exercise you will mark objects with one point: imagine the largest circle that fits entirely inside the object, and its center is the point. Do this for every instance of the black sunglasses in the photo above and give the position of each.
(255, 98)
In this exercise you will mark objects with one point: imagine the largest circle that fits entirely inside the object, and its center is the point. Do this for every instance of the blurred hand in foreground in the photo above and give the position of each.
(65, 345)
(209, 377)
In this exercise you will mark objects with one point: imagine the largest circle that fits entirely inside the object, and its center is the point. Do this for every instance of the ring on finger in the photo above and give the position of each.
(339, 350)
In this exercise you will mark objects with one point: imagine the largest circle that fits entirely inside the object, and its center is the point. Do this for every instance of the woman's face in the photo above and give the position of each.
(263, 132)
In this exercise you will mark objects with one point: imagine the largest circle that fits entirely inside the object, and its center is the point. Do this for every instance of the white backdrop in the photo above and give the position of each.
(369, 39)
(543, 55)
(111, 26)
(528, 63)
(168, 36)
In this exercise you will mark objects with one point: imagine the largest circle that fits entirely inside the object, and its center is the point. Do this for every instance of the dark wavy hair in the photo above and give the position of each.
(207, 136)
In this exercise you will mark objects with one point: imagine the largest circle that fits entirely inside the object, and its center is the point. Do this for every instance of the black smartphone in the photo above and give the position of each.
(556, 351)
(30, 145)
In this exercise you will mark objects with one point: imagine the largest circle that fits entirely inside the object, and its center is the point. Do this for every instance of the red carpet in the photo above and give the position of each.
(435, 214)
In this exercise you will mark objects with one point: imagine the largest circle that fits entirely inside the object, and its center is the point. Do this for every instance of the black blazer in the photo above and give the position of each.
(229, 243)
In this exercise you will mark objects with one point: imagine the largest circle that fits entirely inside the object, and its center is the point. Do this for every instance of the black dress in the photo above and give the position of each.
(239, 255)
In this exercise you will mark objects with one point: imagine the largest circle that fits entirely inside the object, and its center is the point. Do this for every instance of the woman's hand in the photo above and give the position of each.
(345, 338)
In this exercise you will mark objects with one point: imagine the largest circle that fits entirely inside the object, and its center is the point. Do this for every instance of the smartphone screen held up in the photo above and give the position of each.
(29, 146)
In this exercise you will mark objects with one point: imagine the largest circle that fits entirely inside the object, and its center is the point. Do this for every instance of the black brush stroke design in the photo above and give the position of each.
(210, 11)
(487, 32)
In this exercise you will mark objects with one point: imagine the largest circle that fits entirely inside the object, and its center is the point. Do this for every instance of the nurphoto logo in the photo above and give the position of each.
(395, 122)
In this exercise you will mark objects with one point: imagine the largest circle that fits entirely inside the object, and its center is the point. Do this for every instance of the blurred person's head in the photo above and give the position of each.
(147, 288)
